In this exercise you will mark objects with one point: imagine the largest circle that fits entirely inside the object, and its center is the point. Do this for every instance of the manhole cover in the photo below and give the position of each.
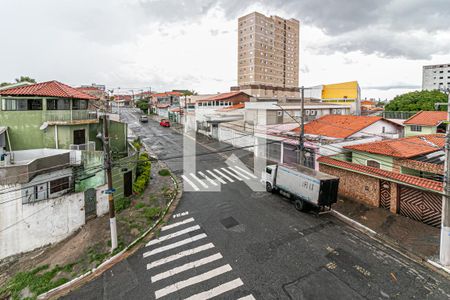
(229, 222)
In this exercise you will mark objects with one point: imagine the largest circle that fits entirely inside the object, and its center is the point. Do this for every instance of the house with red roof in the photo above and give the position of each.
(51, 161)
(161, 103)
(402, 175)
(426, 122)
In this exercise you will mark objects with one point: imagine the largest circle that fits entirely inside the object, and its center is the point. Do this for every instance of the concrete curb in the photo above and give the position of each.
(391, 244)
(107, 264)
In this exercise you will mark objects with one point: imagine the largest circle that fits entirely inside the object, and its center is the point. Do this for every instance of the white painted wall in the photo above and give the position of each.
(391, 130)
(24, 227)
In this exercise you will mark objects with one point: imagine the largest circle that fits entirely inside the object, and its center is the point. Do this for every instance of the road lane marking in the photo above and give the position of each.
(246, 172)
(248, 297)
(223, 175)
(179, 255)
(191, 281)
(173, 235)
(232, 174)
(174, 245)
(217, 177)
(185, 213)
(239, 173)
(185, 267)
(199, 180)
(207, 178)
(167, 227)
(190, 182)
(218, 290)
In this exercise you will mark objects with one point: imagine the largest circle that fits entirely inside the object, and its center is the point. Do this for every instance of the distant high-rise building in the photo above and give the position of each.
(435, 77)
(268, 56)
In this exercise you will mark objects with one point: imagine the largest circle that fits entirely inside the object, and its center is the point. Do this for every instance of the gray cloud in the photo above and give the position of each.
(393, 87)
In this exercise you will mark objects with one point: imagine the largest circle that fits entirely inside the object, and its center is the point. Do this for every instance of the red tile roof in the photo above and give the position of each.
(408, 179)
(162, 105)
(166, 94)
(405, 147)
(427, 118)
(233, 107)
(47, 89)
(122, 97)
(339, 126)
(224, 96)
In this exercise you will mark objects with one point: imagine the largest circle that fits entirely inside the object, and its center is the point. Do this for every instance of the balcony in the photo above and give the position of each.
(65, 117)
(21, 166)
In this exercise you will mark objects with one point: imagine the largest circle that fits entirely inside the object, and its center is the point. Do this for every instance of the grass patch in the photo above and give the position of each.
(151, 213)
(139, 205)
(38, 281)
(164, 172)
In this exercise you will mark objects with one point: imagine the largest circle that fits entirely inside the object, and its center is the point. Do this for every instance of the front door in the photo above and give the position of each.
(385, 194)
(79, 137)
(127, 184)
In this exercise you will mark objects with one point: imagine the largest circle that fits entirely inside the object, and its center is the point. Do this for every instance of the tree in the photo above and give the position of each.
(416, 101)
(25, 79)
(142, 105)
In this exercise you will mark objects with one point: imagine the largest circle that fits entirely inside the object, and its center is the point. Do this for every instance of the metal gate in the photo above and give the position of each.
(385, 194)
(90, 203)
(422, 206)
(290, 154)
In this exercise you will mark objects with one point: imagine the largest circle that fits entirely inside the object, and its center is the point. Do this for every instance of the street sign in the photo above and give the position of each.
(108, 192)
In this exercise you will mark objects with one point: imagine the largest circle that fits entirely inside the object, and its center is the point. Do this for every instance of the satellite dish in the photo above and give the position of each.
(44, 126)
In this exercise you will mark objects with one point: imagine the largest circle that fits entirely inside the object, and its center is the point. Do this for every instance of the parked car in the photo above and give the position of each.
(143, 119)
(302, 185)
(164, 123)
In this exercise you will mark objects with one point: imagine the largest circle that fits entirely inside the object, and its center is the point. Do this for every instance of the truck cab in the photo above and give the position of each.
(268, 177)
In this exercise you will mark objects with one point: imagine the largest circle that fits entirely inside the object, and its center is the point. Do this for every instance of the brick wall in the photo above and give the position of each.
(421, 166)
(357, 187)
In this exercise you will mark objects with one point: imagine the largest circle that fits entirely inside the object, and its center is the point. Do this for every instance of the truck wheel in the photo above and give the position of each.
(299, 204)
(269, 187)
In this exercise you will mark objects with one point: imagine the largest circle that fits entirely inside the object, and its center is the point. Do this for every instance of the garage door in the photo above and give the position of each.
(290, 154)
(422, 206)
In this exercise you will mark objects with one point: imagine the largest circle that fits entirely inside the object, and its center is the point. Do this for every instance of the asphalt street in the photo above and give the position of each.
(229, 242)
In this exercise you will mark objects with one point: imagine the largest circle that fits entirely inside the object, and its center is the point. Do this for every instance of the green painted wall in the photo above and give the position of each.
(425, 130)
(120, 167)
(361, 158)
(118, 138)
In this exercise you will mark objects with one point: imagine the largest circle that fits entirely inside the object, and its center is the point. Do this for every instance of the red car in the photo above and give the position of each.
(164, 123)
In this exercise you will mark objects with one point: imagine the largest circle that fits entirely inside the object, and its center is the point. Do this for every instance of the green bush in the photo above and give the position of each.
(143, 174)
(121, 204)
(164, 172)
(139, 205)
(152, 213)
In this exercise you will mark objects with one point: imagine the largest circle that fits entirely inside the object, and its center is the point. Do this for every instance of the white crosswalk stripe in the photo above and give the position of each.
(247, 172)
(218, 290)
(173, 235)
(179, 255)
(167, 227)
(191, 281)
(217, 177)
(239, 173)
(189, 265)
(190, 182)
(207, 178)
(175, 245)
(199, 180)
(232, 174)
(223, 175)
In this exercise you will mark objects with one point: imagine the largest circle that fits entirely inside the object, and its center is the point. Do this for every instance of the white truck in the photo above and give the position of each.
(302, 185)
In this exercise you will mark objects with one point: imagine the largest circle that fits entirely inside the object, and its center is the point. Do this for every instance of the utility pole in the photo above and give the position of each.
(107, 162)
(301, 136)
(444, 253)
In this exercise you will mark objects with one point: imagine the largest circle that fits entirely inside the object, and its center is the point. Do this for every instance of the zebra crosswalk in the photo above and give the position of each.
(209, 179)
(183, 264)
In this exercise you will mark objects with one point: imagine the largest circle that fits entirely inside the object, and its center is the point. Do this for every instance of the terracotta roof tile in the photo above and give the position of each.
(408, 179)
(47, 89)
(427, 118)
(403, 148)
(233, 107)
(338, 126)
(224, 96)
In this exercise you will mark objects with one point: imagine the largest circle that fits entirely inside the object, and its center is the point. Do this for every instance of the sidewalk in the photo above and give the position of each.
(417, 238)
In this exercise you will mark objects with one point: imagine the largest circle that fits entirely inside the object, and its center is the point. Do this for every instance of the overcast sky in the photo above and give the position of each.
(172, 44)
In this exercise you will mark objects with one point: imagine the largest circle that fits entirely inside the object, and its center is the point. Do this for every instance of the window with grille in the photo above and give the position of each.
(373, 163)
(417, 128)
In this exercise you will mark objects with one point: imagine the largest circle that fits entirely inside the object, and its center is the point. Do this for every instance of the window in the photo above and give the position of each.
(22, 104)
(58, 104)
(416, 128)
(268, 170)
(59, 185)
(373, 163)
(79, 104)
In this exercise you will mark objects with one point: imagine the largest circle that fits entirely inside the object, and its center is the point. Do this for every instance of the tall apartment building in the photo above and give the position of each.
(436, 77)
(268, 56)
